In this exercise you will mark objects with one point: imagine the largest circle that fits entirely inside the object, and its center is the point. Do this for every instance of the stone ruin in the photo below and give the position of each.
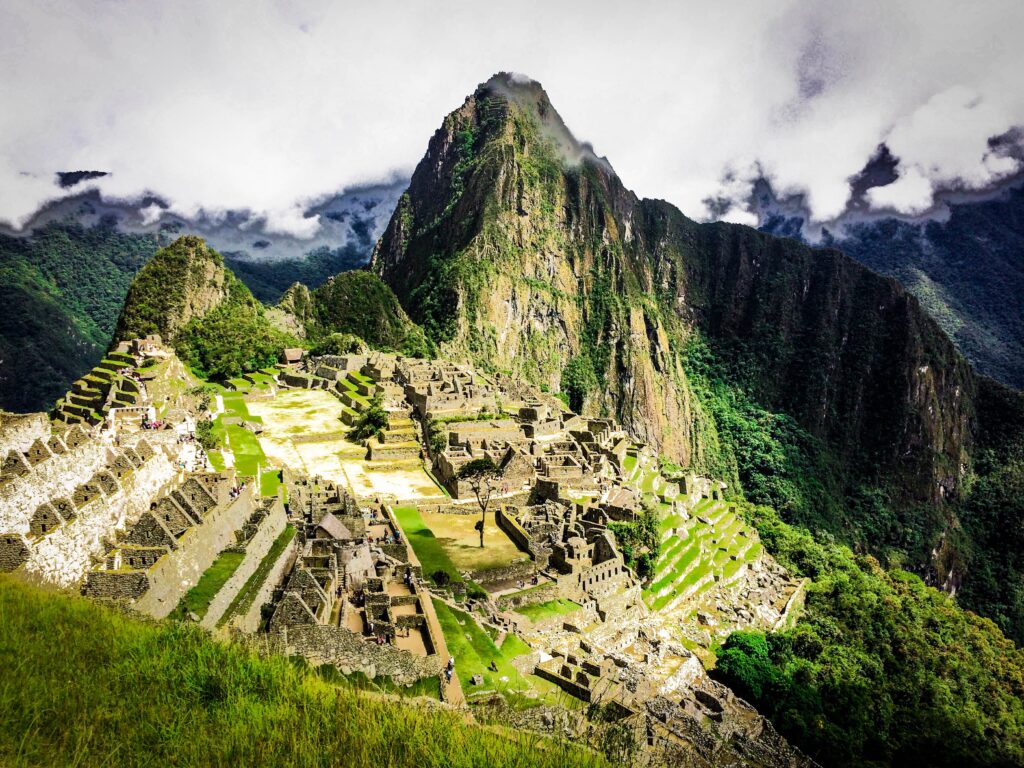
(354, 596)
(537, 444)
(172, 544)
(68, 475)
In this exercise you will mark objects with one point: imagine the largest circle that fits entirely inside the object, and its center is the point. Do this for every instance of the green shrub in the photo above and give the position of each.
(372, 421)
(206, 436)
(233, 338)
(578, 381)
(339, 344)
(639, 540)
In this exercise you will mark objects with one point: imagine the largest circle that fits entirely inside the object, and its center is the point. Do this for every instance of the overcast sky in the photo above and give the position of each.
(266, 104)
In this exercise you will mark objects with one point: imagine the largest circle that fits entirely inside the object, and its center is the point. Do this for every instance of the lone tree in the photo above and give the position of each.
(482, 475)
(371, 422)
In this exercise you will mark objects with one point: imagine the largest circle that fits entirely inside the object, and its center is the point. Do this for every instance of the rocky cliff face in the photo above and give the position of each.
(514, 247)
(181, 282)
(517, 247)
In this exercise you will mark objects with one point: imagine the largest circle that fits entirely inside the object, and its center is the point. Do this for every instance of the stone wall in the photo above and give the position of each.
(19, 430)
(116, 585)
(542, 594)
(508, 523)
(523, 570)
(178, 571)
(257, 547)
(470, 507)
(14, 550)
(350, 653)
(51, 478)
(250, 621)
(63, 556)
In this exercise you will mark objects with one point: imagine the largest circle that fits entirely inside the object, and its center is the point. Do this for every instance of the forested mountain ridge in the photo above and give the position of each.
(62, 287)
(966, 268)
(66, 276)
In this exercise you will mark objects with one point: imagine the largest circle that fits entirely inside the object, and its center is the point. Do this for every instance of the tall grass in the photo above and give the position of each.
(83, 685)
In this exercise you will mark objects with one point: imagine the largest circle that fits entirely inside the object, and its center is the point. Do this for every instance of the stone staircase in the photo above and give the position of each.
(399, 442)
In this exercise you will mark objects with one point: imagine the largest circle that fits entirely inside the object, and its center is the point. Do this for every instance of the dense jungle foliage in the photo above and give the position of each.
(881, 670)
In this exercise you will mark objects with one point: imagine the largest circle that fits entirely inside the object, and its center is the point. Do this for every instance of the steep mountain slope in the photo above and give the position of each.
(505, 254)
(62, 287)
(359, 303)
(968, 271)
(187, 296)
(183, 281)
(516, 246)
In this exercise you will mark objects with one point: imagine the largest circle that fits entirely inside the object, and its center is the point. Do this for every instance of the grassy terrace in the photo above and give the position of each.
(126, 692)
(197, 600)
(541, 611)
(270, 483)
(243, 444)
(247, 594)
(474, 650)
(428, 549)
(705, 550)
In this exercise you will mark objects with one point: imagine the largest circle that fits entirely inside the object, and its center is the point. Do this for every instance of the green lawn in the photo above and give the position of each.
(216, 460)
(197, 600)
(680, 555)
(541, 611)
(246, 448)
(474, 650)
(668, 572)
(247, 594)
(669, 521)
(629, 465)
(125, 692)
(243, 444)
(234, 405)
(270, 482)
(426, 546)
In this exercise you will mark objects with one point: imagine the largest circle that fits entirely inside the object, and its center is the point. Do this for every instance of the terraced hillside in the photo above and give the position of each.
(110, 384)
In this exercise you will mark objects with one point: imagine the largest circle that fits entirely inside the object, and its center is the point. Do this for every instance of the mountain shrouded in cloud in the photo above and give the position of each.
(694, 101)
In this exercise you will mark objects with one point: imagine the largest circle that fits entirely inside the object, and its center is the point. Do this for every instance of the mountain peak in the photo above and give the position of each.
(528, 95)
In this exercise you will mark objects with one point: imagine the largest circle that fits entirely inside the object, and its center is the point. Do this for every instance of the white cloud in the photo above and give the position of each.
(910, 193)
(266, 104)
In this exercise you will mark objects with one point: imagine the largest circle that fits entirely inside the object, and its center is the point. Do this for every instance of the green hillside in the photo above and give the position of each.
(355, 303)
(880, 669)
(82, 685)
(61, 289)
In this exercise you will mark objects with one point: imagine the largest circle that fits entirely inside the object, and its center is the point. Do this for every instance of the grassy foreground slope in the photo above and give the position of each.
(82, 685)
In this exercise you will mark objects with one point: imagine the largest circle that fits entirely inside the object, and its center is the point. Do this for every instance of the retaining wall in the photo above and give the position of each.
(64, 556)
(180, 570)
(351, 653)
(53, 477)
(269, 529)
